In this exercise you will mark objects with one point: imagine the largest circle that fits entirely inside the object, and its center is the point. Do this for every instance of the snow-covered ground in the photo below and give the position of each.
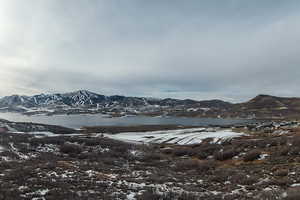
(47, 134)
(181, 136)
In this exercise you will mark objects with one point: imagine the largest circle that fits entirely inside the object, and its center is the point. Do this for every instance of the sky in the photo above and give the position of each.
(200, 49)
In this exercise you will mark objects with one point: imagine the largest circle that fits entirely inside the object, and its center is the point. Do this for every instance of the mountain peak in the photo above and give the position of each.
(262, 96)
(82, 92)
(86, 98)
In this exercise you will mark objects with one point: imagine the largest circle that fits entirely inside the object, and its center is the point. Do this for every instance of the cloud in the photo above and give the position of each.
(201, 49)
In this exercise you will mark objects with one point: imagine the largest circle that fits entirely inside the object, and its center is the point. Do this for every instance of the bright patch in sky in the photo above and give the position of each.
(231, 49)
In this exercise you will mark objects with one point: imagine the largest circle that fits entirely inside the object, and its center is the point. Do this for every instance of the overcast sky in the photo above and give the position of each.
(201, 49)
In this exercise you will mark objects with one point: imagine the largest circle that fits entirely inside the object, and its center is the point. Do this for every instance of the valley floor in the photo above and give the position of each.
(263, 163)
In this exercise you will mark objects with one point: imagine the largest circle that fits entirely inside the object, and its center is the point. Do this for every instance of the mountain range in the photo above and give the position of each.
(262, 106)
(84, 98)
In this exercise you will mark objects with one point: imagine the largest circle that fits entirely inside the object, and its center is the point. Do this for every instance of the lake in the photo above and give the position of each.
(77, 121)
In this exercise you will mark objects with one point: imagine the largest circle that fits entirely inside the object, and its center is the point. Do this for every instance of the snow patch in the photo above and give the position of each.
(181, 136)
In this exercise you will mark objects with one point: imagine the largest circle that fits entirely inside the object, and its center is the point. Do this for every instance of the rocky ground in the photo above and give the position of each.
(264, 164)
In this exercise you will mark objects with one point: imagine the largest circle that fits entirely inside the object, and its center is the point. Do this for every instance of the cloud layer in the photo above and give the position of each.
(230, 49)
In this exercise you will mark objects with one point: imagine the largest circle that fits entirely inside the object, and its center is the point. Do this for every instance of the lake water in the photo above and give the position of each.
(77, 121)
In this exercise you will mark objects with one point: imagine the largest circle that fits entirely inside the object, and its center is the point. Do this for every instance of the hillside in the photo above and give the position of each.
(82, 101)
(260, 164)
(266, 106)
(85, 101)
(272, 102)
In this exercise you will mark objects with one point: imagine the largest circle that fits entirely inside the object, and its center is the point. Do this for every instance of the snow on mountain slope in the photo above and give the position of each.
(85, 98)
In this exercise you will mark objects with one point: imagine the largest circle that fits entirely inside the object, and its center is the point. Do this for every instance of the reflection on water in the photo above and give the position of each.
(77, 121)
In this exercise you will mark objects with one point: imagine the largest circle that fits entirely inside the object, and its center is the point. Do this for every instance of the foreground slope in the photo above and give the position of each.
(263, 165)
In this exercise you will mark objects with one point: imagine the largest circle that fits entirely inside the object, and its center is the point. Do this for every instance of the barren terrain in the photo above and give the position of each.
(262, 164)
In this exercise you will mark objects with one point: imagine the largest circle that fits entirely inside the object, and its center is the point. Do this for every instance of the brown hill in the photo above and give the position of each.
(266, 106)
(272, 102)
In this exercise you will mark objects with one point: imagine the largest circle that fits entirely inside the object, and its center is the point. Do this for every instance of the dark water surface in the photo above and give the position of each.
(77, 121)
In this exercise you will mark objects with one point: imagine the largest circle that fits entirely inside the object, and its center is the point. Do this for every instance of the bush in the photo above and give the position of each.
(293, 195)
(284, 151)
(182, 151)
(47, 140)
(91, 142)
(282, 182)
(187, 164)
(243, 179)
(167, 150)
(225, 155)
(221, 175)
(252, 155)
(202, 155)
(281, 172)
(294, 151)
(209, 148)
(159, 178)
(151, 156)
(150, 195)
(270, 195)
(282, 140)
(191, 164)
(296, 141)
(69, 148)
(205, 150)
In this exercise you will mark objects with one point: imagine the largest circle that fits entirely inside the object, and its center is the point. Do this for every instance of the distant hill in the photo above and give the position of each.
(84, 98)
(272, 102)
(265, 106)
(83, 101)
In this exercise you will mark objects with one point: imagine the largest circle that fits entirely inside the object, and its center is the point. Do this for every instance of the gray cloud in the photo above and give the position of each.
(229, 49)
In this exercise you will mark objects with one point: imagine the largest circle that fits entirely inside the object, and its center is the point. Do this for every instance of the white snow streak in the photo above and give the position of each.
(182, 136)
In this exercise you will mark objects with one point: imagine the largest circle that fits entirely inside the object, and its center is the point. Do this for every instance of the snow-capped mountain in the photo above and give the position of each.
(82, 101)
(83, 98)
(74, 99)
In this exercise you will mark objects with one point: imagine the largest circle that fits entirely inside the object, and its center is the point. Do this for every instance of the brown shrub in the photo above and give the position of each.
(293, 194)
(152, 156)
(283, 181)
(295, 150)
(281, 172)
(252, 155)
(282, 140)
(65, 164)
(202, 155)
(159, 178)
(183, 151)
(191, 164)
(69, 148)
(205, 150)
(91, 142)
(167, 150)
(225, 155)
(221, 175)
(243, 179)
(270, 195)
(296, 141)
(187, 164)
(47, 140)
(284, 151)
(149, 195)
(209, 148)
